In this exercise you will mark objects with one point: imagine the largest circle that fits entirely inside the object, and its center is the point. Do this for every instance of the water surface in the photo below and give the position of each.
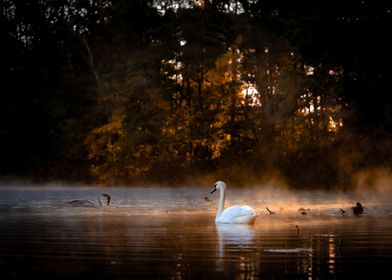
(164, 233)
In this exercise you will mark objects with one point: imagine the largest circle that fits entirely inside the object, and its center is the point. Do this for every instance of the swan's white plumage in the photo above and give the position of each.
(235, 214)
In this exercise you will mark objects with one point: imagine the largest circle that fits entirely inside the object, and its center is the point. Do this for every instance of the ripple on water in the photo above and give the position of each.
(171, 234)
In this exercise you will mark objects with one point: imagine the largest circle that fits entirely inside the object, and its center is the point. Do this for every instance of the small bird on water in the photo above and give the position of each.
(303, 211)
(358, 209)
(103, 200)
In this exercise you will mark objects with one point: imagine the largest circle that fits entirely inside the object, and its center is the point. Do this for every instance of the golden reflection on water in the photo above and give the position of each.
(177, 246)
(251, 244)
(331, 254)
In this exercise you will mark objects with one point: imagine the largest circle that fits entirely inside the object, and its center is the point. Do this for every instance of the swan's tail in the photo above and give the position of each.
(253, 219)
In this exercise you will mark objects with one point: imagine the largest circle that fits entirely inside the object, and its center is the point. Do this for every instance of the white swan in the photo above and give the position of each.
(234, 214)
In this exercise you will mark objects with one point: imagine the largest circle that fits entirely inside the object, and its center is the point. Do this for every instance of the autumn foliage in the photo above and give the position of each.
(123, 92)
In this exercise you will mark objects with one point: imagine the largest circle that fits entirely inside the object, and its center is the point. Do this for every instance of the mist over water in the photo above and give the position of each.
(169, 233)
(197, 199)
(187, 200)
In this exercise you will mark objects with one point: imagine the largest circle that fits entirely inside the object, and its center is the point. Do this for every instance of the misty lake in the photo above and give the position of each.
(170, 233)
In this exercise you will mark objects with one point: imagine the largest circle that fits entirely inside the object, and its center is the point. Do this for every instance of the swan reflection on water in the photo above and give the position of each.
(233, 239)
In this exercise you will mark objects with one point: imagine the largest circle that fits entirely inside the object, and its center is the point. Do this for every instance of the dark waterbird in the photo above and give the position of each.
(103, 200)
(358, 209)
(303, 211)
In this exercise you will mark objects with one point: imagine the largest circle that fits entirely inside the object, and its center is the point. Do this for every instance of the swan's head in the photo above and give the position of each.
(218, 186)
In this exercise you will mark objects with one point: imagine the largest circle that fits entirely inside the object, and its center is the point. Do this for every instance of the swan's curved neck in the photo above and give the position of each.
(221, 202)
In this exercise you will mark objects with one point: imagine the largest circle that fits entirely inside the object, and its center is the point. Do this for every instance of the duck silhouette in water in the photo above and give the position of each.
(103, 200)
(358, 209)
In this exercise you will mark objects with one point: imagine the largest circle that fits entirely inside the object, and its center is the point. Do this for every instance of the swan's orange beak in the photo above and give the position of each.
(213, 190)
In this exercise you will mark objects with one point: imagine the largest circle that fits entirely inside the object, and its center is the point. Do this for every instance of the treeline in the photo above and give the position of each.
(122, 92)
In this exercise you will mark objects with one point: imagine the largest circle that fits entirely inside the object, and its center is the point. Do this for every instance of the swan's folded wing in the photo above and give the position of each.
(236, 210)
(237, 214)
(247, 210)
(245, 219)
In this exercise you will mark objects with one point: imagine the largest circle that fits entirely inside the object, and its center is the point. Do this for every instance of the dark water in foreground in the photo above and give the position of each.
(159, 233)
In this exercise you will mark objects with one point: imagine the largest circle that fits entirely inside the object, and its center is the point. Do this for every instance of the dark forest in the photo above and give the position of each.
(125, 92)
